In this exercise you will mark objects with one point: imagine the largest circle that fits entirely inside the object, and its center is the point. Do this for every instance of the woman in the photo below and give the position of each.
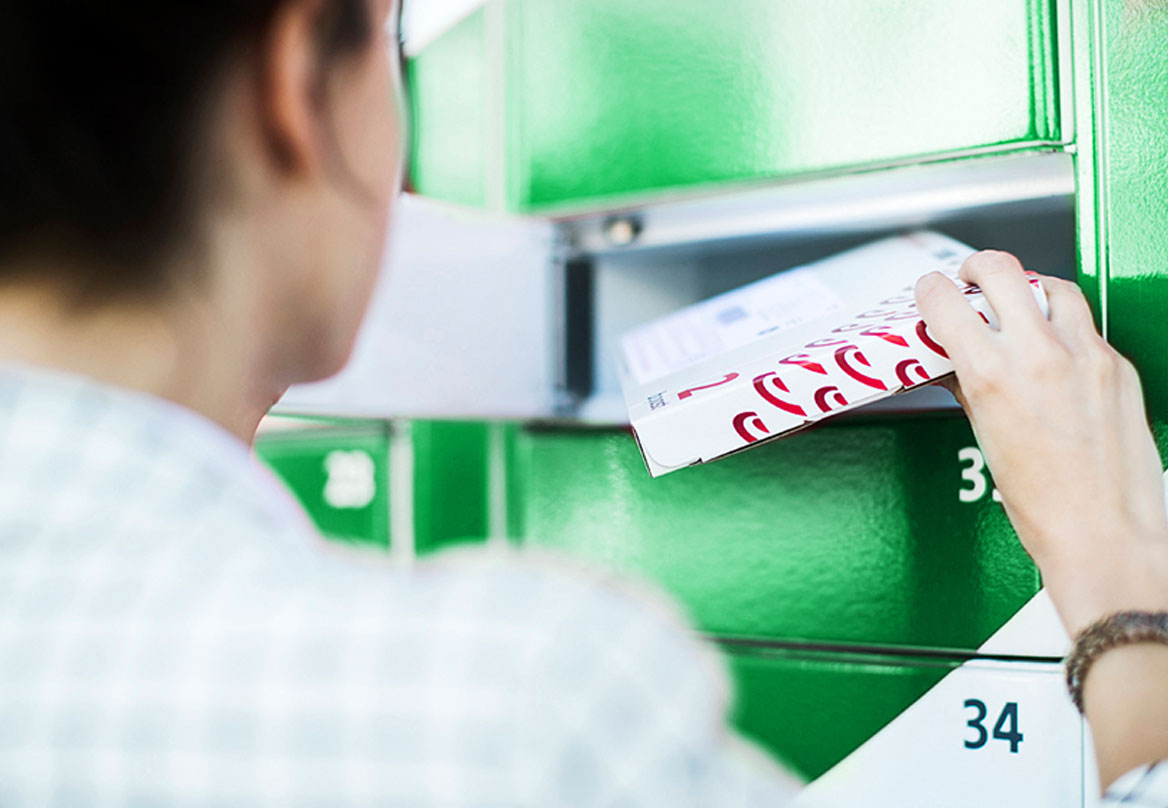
(192, 207)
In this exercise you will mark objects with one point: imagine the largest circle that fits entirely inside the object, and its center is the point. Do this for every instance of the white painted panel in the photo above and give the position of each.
(1035, 630)
(1091, 789)
(922, 760)
(460, 324)
(423, 21)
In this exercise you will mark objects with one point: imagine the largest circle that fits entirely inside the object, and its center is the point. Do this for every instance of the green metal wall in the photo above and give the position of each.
(608, 101)
(338, 471)
(811, 708)
(450, 483)
(853, 533)
(1122, 119)
(449, 116)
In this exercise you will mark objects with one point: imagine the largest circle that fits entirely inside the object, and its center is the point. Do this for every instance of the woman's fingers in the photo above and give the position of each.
(1005, 286)
(1069, 313)
(950, 318)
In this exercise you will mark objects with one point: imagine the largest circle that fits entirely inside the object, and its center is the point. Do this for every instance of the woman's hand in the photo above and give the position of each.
(1060, 418)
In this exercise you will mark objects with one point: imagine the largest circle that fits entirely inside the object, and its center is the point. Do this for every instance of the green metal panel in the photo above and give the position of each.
(611, 100)
(812, 709)
(1122, 110)
(448, 100)
(450, 483)
(339, 473)
(851, 533)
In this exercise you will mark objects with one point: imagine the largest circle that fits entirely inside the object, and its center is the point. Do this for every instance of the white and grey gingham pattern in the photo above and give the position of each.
(172, 632)
(1146, 787)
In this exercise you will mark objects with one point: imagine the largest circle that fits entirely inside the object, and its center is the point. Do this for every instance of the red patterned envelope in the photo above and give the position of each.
(763, 361)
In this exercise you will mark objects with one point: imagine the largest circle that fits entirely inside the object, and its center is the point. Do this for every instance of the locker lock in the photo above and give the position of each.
(621, 231)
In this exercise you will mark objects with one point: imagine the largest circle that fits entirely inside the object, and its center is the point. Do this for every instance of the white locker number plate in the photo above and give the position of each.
(992, 732)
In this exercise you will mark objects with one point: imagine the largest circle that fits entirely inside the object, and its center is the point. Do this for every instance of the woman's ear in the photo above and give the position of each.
(289, 87)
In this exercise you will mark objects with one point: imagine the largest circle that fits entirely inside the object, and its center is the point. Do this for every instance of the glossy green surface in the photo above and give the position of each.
(339, 474)
(609, 100)
(450, 483)
(851, 533)
(812, 709)
(447, 95)
(1124, 184)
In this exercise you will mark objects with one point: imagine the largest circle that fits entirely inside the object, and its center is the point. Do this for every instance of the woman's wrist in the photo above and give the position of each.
(1118, 630)
(1130, 577)
(1125, 704)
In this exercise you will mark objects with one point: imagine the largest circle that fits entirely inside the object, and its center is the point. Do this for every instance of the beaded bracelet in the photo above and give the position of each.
(1121, 628)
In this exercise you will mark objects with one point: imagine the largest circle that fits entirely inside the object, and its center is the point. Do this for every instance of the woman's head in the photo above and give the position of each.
(244, 151)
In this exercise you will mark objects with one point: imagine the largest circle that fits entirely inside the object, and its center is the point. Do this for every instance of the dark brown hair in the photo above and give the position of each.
(100, 106)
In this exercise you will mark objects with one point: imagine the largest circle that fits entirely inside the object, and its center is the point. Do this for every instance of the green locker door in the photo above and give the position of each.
(836, 700)
(339, 472)
(873, 532)
(1122, 119)
(583, 104)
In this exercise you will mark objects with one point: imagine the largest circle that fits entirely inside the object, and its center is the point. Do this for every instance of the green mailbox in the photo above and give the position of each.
(338, 470)
(865, 566)
(861, 534)
(552, 106)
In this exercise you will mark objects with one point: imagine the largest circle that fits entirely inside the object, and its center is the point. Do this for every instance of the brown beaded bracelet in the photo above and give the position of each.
(1121, 628)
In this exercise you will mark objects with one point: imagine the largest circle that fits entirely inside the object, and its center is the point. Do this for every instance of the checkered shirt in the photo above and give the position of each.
(1146, 787)
(173, 632)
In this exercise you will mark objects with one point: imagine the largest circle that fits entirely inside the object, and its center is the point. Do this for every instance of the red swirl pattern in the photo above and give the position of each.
(741, 421)
(842, 359)
(906, 369)
(927, 338)
(882, 332)
(837, 398)
(804, 361)
(765, 381)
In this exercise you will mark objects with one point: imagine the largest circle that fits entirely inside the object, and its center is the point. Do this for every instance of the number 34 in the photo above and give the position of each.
(1006, 728)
